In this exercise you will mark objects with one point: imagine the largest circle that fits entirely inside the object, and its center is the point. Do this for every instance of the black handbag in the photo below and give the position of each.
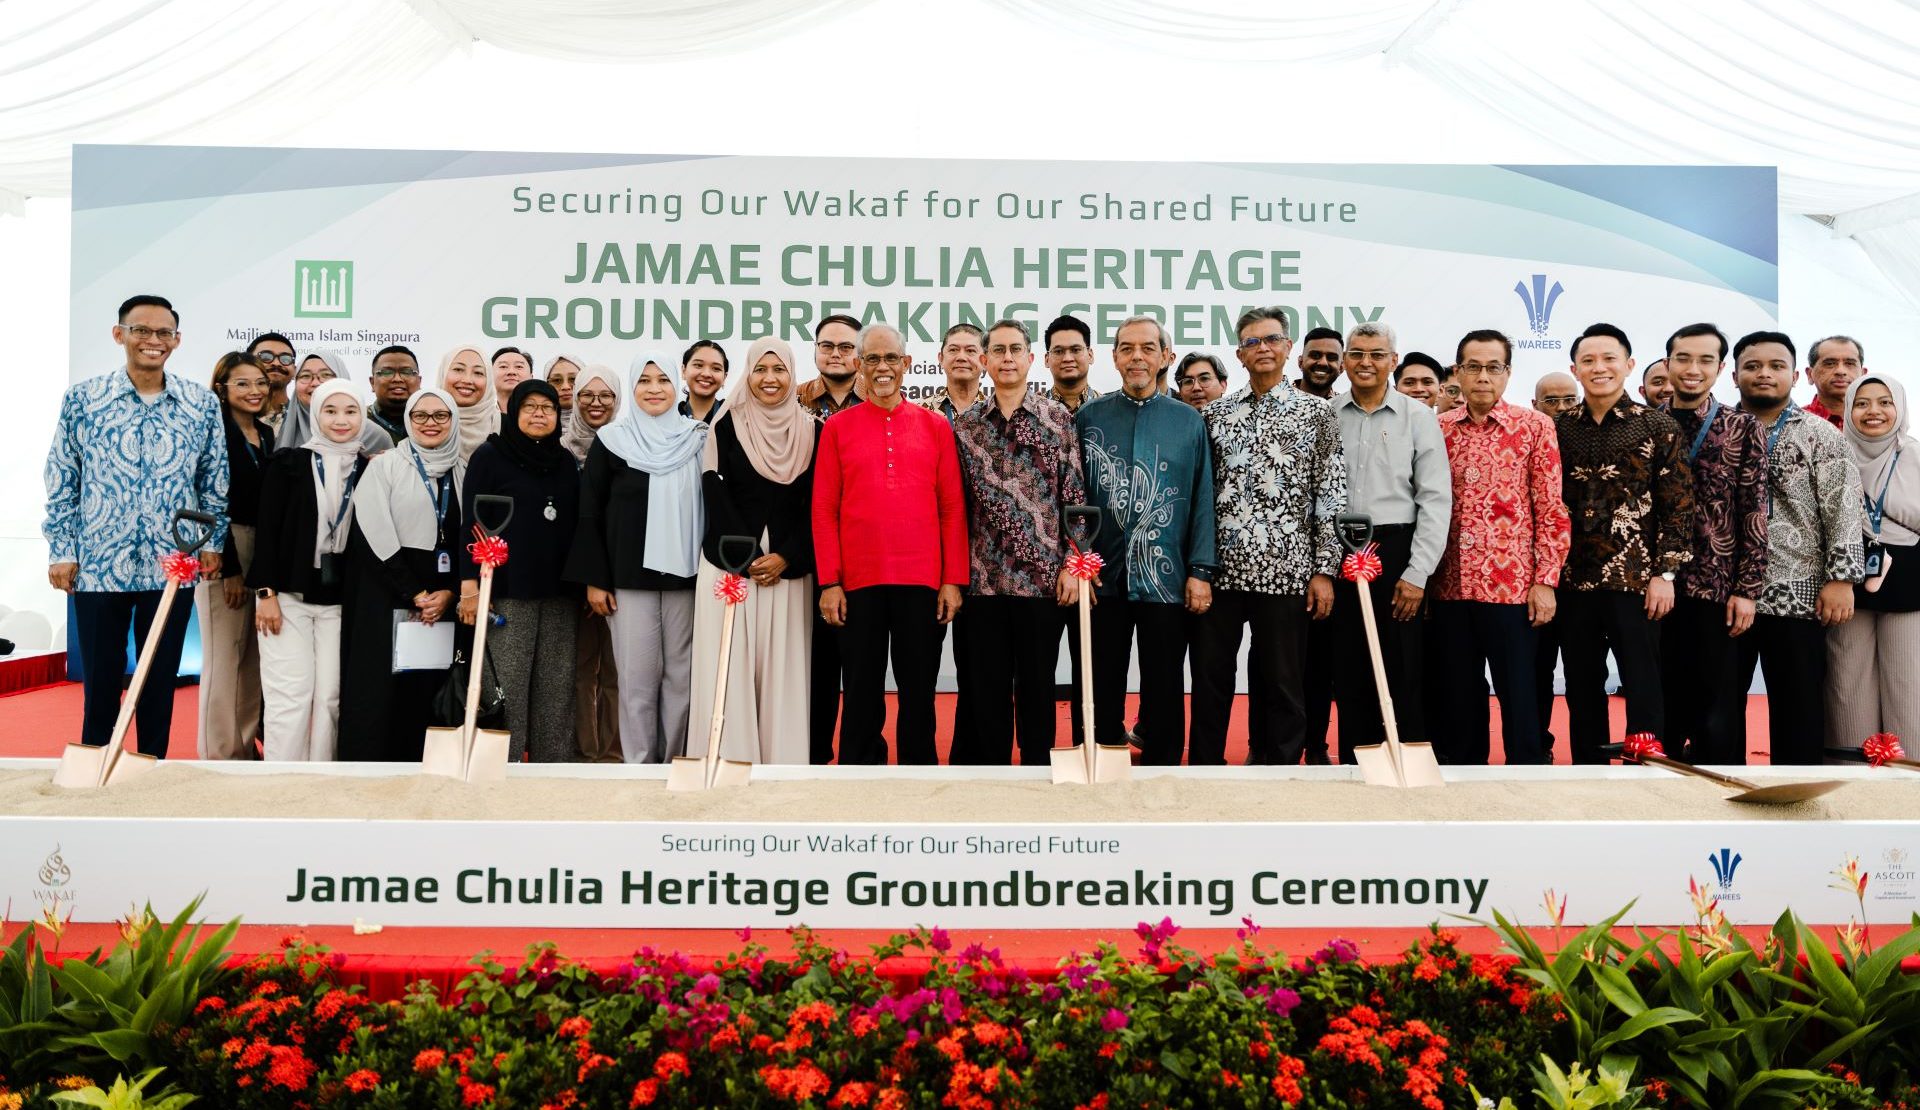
(450, 702)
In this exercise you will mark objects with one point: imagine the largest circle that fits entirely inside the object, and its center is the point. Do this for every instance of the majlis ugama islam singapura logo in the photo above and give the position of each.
(323, 288)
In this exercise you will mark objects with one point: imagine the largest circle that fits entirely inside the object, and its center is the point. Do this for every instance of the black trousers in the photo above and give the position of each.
(889, 620)
(1591, 621)
(1546, 652)
(1011, 653)
(1471, 639)
(963, 720)
(1706, 709)
(1066, 624)
(823, 710)
(1160, 631)
(1276, 705)
(101, 622)
(1319, 688)
(1792, 653)
(1402, 646)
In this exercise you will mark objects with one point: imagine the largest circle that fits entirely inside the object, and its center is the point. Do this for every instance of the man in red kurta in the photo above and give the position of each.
(890, 540)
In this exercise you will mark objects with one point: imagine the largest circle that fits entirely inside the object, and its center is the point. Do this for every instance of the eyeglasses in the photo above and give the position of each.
(268, 358)
(539, 407)
(1380, 357)
(1075, 351)
(1482, 367)
(430, 419)
(875, 362)
(164, 335)
(1002, 350)
(1255, 342)
(1203, 378)
(826, 348)
(314, 376)
(390, 372)
(595, 397)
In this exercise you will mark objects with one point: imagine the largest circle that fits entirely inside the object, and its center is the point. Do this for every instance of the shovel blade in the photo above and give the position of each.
(80, 766)
(1112, 763)
(130, 766)
(1418, 764)
(687, 772)
(1787, 793)
(1068, 765)
(445, 753)
(732, 772)
(489, 760)
(1376, 766)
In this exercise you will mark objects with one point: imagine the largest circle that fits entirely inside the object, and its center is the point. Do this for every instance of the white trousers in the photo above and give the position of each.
(300, 682)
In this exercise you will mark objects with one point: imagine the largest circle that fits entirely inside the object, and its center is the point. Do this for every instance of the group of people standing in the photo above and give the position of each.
(1693, 540)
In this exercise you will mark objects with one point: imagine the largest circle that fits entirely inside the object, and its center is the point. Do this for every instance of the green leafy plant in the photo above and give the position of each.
(1576, 1089)
(125, 1096)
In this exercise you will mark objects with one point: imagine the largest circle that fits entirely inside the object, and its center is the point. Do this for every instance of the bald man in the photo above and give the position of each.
(1553, 394)
(1556, 393)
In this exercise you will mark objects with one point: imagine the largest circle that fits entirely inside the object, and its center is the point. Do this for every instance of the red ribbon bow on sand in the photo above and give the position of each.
(1643, 744)
(731, 589)
(180, 567)
(1363, 565)
(1882, 746)
(1084, 565)
(487, 551)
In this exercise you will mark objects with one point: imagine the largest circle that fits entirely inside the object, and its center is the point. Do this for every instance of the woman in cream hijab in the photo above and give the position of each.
(758, 482)
(1873, 660)
(467, 377)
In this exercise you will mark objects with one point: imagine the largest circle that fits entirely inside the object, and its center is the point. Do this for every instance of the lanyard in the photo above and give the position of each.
(435, 493)
(346, 496)
(1877, 510)
(1706, 425)
(1779, 422)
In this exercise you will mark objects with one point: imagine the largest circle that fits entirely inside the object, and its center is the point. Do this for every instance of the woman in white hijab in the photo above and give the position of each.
(637, 551)
(316, 369)
(1873, 660)
(467, 377)
(306, 517)
(758, 482)
(406, 532)
(596, 680)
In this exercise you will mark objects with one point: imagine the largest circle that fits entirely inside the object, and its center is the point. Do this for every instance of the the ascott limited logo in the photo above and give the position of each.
(323, 289)
(1893, 880)
(1539, 301)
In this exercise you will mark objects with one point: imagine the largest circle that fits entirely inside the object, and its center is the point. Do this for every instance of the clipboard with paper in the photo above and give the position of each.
(418, 646)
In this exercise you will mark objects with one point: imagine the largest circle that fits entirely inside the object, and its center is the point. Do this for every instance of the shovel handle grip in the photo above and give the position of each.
(1083, 523)
(484, 501)
(190, 542)
(736, 553)
(1354, 529)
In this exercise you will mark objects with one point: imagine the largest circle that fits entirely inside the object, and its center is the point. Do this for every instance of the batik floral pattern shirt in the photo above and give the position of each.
(1020, 473)
(1280, 480)
(1629, 496)
(1815, 522)
(1509, 531)
(1150, 471)
(1729, 505)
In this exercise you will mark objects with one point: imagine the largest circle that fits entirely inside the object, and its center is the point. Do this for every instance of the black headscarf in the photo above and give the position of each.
(538, 456)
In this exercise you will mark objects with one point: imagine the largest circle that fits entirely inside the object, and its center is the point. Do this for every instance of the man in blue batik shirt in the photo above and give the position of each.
(133, 447)
(1150, 472)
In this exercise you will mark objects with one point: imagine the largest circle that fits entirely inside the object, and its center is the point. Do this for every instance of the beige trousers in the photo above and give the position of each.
(229, 665)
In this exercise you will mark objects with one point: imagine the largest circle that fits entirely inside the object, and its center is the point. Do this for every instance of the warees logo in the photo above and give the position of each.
(323, 289)
(1539, 301)
(1725, 862)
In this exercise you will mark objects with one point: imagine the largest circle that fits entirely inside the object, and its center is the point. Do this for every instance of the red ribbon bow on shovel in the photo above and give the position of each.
(1881, 747)
(1363, 565)
(180, 567)
(1643, 744)
(731, 589)
(487, 551)
(1085, 565)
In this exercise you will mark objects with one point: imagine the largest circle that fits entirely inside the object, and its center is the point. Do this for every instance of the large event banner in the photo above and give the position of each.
(562, 874)
(603, 256)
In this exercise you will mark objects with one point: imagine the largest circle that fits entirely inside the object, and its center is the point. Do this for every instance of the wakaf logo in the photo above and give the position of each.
(1538, 300)
(1725, 862)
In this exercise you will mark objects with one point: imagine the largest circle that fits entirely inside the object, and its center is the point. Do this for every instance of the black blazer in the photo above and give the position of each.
(536, 547)
(611, 543)
(246, 466)
(288, 525)
(740, 501)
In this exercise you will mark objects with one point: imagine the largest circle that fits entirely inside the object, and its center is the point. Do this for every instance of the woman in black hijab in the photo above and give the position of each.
(533, 648)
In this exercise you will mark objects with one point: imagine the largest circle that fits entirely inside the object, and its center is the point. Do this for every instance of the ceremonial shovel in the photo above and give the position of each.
(704, 772)
(470, 752)
(82, 765)
(1087, 762)
(1644, 747)
(1882, 749)
(1392, 763)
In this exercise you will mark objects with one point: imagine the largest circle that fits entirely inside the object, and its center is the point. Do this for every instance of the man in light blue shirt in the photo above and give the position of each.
(1397, 474)
(133, 447)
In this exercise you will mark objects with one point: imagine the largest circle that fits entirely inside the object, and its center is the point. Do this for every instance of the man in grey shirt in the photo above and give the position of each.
(1397, 474)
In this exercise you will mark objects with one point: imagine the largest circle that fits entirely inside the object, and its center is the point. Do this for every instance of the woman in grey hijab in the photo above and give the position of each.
(316, 368)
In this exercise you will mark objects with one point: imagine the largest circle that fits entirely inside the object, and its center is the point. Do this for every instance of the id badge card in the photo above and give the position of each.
(443, 563)
(1879, 562)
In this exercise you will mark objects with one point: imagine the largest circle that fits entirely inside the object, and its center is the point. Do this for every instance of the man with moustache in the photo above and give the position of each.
(1832, 365)
(1149, 469)
(1815, 551)
(1397, 476)
(1656, 383)
(1717, 588)
(835, 389)
(396, 375)
(704, 368)
(1553, 394)
(1280, 480)
(273, 353)
(890, 543)
(1020, 461)
(1320, 354)
(1069, 345)
(838, 385)
(1630, 500)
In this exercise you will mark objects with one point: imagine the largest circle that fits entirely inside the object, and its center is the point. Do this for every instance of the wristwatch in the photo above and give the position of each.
(263, 593)
(1667, 574)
